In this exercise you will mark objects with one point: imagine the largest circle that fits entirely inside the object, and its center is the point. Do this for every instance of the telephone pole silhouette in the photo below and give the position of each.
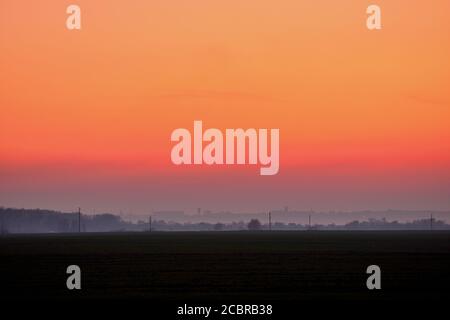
(270, 221)
(150, 223)
(79, 219)
(2, 227)
(431, 222)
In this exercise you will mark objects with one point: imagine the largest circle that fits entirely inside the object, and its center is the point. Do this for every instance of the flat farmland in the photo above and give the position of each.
(218, 267)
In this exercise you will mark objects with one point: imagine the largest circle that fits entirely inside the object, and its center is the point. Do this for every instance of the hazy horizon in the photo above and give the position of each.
(284, 215)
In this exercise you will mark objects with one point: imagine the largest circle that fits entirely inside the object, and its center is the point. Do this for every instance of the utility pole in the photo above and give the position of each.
(270, 221)
(79, 219)
(309, 222)
(431, 222)
(2, 228)
(150, 223)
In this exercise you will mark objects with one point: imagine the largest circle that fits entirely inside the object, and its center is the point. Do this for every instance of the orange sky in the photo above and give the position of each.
(86, 116)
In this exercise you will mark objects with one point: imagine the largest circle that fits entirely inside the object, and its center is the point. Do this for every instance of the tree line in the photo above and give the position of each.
(14, 220)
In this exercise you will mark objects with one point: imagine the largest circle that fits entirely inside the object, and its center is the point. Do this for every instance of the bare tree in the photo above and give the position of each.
(254, 224)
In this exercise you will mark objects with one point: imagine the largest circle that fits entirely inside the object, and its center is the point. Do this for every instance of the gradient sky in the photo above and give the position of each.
(86, 116)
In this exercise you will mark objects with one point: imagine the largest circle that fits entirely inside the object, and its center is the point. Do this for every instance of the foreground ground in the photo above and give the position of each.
(228, 266)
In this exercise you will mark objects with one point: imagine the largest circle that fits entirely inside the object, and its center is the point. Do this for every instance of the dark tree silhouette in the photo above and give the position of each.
(254, 224)
(219, 227)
